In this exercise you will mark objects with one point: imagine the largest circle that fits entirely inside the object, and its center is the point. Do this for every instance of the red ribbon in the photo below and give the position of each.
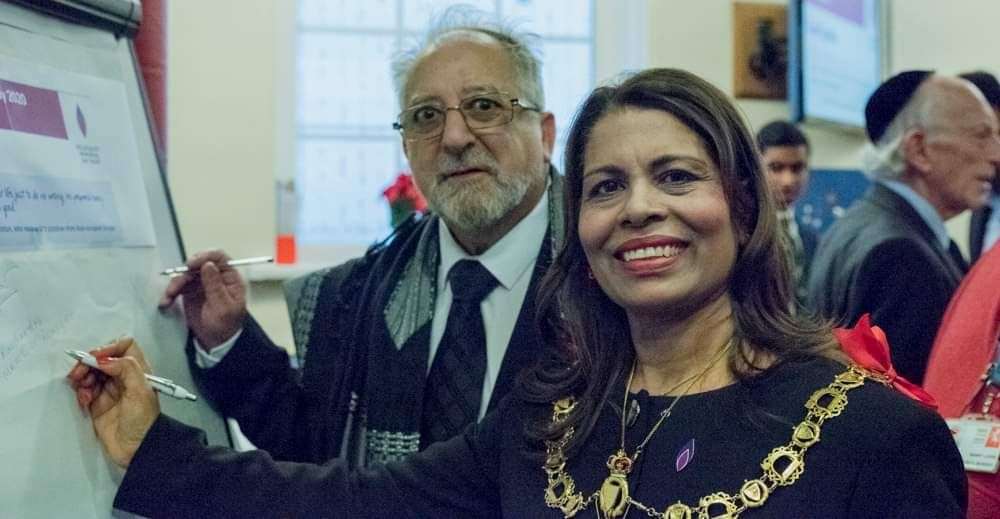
(868, 347)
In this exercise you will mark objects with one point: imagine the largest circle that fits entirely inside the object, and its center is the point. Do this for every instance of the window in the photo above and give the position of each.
(346, 151)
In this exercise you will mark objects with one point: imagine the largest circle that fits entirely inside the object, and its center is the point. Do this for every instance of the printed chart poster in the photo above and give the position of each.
(69, 173)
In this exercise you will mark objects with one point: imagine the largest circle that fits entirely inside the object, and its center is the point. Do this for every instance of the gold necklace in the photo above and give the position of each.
(613, 498)
(781, 467)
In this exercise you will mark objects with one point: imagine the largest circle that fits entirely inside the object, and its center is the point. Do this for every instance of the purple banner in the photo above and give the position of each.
(4, 120)
(853, 10)
(32, 110)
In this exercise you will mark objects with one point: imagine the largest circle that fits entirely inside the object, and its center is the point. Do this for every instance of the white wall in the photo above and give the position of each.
(229, 123)
(697, 35)
(230, 99)
(951, 37)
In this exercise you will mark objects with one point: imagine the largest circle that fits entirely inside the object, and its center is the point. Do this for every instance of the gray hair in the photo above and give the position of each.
(885, 160)
(465, 22)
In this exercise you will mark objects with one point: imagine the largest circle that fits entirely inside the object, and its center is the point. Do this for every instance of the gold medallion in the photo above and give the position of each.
(754, 493)
(613, 498)
(562, 408)
(678, 510)
(716, 501)
(561, 494)
(827, 402)
(806, 434)
(560, 487)
(783, 465)
(850, 379)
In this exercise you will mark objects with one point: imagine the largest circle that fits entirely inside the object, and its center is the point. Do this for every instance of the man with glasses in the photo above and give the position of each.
(935, 151)
(420, 337)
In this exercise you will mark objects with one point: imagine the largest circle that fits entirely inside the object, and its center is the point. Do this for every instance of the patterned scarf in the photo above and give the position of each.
(399, 351)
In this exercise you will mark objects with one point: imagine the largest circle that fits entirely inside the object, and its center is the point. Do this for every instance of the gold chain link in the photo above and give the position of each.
(781, 467)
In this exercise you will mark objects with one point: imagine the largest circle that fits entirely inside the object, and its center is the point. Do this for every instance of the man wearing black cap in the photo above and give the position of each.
(935, 151)
(984, 227)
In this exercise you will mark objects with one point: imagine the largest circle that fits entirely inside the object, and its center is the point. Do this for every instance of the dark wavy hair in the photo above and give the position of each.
(590, 332)
(780, 133)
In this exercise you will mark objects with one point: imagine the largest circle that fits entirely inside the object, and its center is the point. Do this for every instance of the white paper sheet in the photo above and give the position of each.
(62, 300)
(69, 172)
(78, 267)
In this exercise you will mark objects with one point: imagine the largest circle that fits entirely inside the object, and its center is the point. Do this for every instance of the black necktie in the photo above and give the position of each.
(956, 256)
(454, 387)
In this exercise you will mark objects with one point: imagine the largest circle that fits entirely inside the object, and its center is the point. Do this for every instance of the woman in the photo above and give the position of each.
(964, 366)
(682, 385)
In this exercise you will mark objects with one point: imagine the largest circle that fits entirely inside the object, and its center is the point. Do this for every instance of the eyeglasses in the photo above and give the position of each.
(479, 111)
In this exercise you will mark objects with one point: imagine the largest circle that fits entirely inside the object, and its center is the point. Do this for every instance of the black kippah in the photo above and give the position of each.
(987, 84)
(889, 99)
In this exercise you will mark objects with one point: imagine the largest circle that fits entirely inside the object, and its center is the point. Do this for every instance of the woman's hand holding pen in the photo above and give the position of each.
(122, 405)
(214, 297)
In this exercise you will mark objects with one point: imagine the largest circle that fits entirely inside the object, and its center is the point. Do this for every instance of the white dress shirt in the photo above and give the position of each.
(511, 260)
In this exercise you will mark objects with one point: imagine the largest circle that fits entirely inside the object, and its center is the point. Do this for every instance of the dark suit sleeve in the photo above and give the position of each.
(175, 475)
(902, 287)
(285, 411)
(255, 384)
(914, 471)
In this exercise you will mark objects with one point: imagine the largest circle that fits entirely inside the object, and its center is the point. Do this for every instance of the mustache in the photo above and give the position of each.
(474, 158)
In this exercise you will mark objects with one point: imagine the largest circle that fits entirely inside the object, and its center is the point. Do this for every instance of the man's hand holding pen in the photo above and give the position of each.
(122, 406)
(214, 297)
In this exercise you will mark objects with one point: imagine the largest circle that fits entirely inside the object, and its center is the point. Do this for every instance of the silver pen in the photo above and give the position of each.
(232, 263)
(160, 384)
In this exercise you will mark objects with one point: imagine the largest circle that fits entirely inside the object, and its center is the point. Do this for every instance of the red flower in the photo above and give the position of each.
(868, 347)
(404, 192)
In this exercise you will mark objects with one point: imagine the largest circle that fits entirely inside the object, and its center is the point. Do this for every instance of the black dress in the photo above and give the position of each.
(884, 456)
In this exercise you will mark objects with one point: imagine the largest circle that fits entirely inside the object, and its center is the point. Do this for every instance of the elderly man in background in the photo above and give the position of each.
(784, 152)
(963, 372)
(984, 227)
(936, 150)
(417, 339)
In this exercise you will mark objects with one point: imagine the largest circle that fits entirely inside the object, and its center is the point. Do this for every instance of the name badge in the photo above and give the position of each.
(978, 441)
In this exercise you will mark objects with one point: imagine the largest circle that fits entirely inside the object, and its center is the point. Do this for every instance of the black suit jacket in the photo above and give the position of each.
(882, 259)
(315, 413)
(977, 229)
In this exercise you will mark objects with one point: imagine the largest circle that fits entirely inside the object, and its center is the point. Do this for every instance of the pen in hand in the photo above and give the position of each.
(159, 384)
(232, 263)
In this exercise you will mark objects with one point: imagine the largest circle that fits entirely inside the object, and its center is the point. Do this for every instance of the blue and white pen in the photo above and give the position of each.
(160, 384)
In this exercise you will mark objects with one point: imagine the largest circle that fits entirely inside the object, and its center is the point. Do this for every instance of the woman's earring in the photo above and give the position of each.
(590, 273)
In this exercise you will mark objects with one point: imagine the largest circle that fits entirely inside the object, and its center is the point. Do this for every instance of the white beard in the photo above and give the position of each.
(478, 206)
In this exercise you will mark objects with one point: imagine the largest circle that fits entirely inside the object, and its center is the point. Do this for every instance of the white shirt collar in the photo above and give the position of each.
(923, 208)
(508, 259)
